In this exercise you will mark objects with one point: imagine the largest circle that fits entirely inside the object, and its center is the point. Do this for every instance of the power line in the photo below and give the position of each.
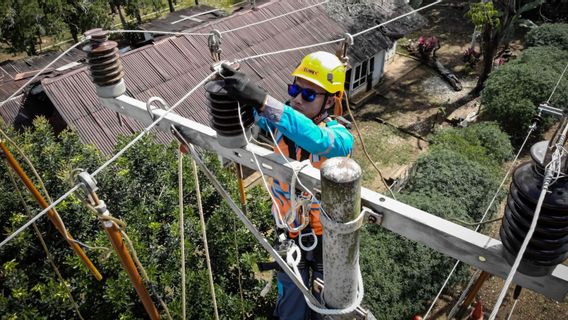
(552, 167)
(222, 32)
(108, 162)
(43, 70)
(336, 40)
(481, 221)
(557, 83)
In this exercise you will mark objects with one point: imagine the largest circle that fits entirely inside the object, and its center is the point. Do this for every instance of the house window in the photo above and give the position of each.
(362, 71)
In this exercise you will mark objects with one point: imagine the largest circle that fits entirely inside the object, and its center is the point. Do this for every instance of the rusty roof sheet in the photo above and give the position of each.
(11, 69)
(10, 109)
(172, 66)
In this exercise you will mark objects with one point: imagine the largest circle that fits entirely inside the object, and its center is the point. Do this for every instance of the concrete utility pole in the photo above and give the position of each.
(341, 201)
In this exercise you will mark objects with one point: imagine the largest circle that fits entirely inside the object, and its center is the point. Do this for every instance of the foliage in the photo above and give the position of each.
(19, 27)
(484, 13)
(549, 34)
(482, 142)
(455, 180)
(514, 91)
(141, 189)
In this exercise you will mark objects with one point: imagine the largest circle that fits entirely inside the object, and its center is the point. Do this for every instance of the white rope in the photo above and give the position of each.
(512, 309)
(181, 231)
(554, 165)
(204, 235)
(108, 162)
(39, 215)
(42, 70)
(278, 219)
(336, 40)
(557, 83)
(531, 129)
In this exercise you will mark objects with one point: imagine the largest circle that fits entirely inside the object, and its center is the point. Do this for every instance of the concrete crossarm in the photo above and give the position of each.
(470, 247)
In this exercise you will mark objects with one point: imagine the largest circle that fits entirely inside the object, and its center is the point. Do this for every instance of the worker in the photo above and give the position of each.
(303, 130)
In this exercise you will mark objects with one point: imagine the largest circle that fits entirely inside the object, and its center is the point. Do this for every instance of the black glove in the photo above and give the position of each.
(239, 86)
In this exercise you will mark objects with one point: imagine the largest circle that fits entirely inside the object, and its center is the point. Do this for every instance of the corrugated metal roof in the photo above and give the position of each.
(172, 66)
(10, 109)
(10, 69)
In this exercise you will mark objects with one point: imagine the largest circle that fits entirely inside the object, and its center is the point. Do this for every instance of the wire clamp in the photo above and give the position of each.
(353, 225)
(347, 41)
(87, 181)
(546, 108)
(214, 42)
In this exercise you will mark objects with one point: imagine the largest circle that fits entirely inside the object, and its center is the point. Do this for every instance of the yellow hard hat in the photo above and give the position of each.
(323, 69)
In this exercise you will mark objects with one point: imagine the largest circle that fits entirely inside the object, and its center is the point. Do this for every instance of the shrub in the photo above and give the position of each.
(482, 142)
(513, 92)
(549, 34)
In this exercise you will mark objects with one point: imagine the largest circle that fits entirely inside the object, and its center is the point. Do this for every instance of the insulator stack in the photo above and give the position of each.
(104, 64)
(224, 116)
(549, 244)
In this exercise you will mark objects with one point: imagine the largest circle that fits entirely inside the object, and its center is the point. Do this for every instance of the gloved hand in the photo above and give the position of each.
(240, 87)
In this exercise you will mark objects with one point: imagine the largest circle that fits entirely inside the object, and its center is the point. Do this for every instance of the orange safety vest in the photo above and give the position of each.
(281, 190)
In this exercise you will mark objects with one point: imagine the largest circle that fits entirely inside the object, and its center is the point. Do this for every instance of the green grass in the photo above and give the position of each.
(386, 147)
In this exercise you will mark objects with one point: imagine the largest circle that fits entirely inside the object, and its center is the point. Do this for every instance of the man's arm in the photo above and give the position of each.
(333, 140)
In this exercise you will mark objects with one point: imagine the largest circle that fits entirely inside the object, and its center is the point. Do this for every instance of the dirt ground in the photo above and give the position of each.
(413, 98)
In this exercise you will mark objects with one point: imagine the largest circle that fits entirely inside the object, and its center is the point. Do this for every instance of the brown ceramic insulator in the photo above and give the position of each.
(104, 59)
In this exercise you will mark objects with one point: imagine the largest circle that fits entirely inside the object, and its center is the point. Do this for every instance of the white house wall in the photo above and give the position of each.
(378, 71)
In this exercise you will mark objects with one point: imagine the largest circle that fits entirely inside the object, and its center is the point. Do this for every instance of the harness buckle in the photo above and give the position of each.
(314, 241)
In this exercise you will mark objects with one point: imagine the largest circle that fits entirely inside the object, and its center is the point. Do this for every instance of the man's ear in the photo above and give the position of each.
(330, 102)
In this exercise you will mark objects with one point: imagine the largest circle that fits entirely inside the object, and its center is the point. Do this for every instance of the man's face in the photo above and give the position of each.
(310, 109)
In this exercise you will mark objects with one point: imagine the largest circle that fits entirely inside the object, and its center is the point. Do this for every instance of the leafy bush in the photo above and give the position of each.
(482, 142)
(141, 189)
(513, 92)
(549, 34)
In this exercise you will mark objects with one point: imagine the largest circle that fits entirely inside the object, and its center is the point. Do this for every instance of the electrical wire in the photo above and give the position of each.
(108, 162)
(554, 165)
(221, 32)
(481, 221)
(43, 70)
(274, 18)
(336, 40)
(557, 83)
(364, 147)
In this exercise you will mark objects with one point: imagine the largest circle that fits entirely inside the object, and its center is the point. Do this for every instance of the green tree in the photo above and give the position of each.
(497, 20)
(20, 25)
(141, 189)
(81, 16)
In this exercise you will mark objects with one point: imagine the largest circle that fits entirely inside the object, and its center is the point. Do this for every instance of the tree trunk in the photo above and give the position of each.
(489, 48)
(196, 2)
(112, 8)
(138, 16)
(74, 33)
(121, 16)
(171, 4)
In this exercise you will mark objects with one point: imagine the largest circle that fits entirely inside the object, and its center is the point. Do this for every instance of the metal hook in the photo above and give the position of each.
(149, 106)
(347, 41)
(214, 42)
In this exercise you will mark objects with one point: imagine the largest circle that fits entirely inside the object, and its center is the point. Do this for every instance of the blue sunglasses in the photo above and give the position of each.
(308, 95)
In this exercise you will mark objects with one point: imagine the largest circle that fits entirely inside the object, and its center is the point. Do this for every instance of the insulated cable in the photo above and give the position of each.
(108, 162)
(554, 165)
(43, 70)
(336, 40)
(482, 220)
